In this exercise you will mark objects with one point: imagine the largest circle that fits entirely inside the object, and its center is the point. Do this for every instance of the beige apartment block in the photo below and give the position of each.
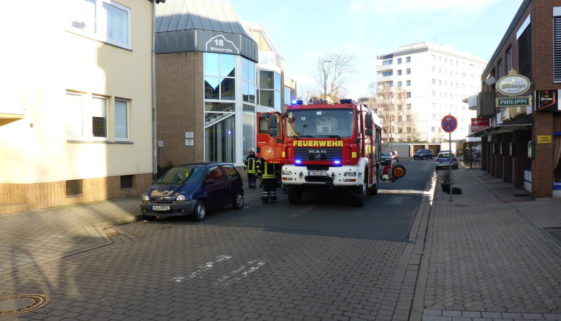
(75, 122)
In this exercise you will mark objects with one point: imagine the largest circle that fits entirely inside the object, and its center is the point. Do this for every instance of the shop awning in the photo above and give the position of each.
(522, 123)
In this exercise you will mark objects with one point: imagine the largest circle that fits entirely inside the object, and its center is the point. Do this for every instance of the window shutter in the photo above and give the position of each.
(557, 49)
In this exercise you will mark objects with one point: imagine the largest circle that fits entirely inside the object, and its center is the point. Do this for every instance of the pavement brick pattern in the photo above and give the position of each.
(172, 271)
(48, 234)
(488, 261)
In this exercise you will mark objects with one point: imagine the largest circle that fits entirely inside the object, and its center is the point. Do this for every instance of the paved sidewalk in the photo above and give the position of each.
(490, 254)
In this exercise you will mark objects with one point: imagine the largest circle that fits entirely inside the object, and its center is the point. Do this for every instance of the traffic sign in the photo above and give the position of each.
(449, 123)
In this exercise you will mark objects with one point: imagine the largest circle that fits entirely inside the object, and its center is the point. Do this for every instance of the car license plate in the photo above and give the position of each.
(317, 173)
(160, 208)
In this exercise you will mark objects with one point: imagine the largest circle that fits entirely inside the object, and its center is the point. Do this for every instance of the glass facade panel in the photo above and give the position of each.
(212, 88)
(211, 64)
(228, 89)
(248, 128)
(266, 98)
(266, 80)
(219, 141)
(227, 65)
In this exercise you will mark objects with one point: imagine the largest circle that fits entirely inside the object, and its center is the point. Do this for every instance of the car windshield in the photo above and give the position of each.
(445, 155)
(182, 175)
(384, 154)
(320, 123)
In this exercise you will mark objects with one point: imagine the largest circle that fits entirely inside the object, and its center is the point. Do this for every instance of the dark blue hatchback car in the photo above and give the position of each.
(193, 189)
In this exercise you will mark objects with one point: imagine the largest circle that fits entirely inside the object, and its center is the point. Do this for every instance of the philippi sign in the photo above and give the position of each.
(513, 84)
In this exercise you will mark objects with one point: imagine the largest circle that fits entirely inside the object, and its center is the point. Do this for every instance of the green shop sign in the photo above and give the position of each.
(503, 102)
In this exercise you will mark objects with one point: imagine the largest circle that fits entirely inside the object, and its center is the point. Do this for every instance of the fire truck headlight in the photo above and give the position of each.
(346, 174)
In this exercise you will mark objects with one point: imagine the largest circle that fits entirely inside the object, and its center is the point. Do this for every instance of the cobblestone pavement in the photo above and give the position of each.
(94, 269)
(216, 273)
(489, 256)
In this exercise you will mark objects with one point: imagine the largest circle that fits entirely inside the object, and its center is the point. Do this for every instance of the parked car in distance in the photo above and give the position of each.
(386, 158)
(444, 159)
(394, 154)
(423, 154)
(193, 189)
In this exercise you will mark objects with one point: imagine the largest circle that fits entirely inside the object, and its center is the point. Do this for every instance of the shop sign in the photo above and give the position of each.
(545, 139)
(479, 124)
(546, 100)
(519, 101)
(513, 84)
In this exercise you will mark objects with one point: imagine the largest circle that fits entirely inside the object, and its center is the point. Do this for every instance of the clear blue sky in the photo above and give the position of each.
(303, 30)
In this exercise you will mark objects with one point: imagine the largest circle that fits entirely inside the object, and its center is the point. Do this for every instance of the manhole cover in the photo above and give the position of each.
(21, 303)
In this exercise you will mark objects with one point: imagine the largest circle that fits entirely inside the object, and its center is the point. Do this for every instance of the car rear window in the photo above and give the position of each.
(231, 171)
(182, 175)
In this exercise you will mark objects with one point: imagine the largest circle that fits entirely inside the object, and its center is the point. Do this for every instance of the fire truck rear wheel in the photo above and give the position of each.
(294, 196)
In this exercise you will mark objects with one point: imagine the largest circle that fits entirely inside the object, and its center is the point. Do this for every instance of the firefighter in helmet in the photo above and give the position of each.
(250, 165)
(270, 174)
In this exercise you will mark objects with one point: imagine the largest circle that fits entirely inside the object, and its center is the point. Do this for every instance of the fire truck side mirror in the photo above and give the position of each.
(368, 120)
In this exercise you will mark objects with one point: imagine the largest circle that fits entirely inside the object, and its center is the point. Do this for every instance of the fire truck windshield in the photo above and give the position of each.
(320, 123)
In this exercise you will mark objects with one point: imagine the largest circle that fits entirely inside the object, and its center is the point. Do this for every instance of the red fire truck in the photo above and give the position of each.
(323, 147)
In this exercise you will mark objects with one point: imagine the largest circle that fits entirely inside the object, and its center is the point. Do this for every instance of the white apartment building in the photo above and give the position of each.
(434, 79)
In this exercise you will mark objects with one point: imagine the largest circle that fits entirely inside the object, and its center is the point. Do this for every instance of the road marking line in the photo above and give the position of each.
(240, 273)
(202, 269)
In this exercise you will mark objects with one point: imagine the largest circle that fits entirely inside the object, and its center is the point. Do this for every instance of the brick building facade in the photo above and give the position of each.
(523, 143)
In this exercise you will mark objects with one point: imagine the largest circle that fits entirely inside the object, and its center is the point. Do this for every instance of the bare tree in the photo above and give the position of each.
(330, 74)
(398, 120)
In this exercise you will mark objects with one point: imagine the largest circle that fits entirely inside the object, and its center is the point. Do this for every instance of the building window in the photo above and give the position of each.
(121, 120)
(408, 82)
(399, 83)
(105, 20)
(556, 48)
(408, 71)
(74, 187)
(387, 73)
(408, 106)
(219, 140)
(387, 62)
(220, 73)
(127, 181)
(500, 69)
(408, 59)
(399, 72)
(270, 89)
(525, 53)
(248, 127)
(399, 61)
(248, 80)
(408, 94)
(86, 116)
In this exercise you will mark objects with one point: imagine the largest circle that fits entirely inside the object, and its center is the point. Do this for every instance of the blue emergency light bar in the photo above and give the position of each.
(297, 102)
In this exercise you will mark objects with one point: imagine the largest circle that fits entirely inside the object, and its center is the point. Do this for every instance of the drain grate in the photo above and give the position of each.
(17, 304)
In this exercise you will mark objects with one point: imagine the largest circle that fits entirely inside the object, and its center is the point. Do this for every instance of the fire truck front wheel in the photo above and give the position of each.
(361, 192)
(294, 196)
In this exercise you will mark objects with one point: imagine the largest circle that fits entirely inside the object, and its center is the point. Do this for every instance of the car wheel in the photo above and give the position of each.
(237, 202)
(199, 213)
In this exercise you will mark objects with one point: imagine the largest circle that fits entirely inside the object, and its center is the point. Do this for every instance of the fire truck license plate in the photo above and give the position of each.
(317, 173)
(160, 208)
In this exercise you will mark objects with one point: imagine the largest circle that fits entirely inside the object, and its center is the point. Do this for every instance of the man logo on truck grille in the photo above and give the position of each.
(317, 154)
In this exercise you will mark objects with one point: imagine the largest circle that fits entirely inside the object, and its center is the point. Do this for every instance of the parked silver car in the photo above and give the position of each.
(444, 159)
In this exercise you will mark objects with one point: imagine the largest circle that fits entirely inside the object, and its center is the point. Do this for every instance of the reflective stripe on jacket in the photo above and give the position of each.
(251, 164)
(268, 170)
